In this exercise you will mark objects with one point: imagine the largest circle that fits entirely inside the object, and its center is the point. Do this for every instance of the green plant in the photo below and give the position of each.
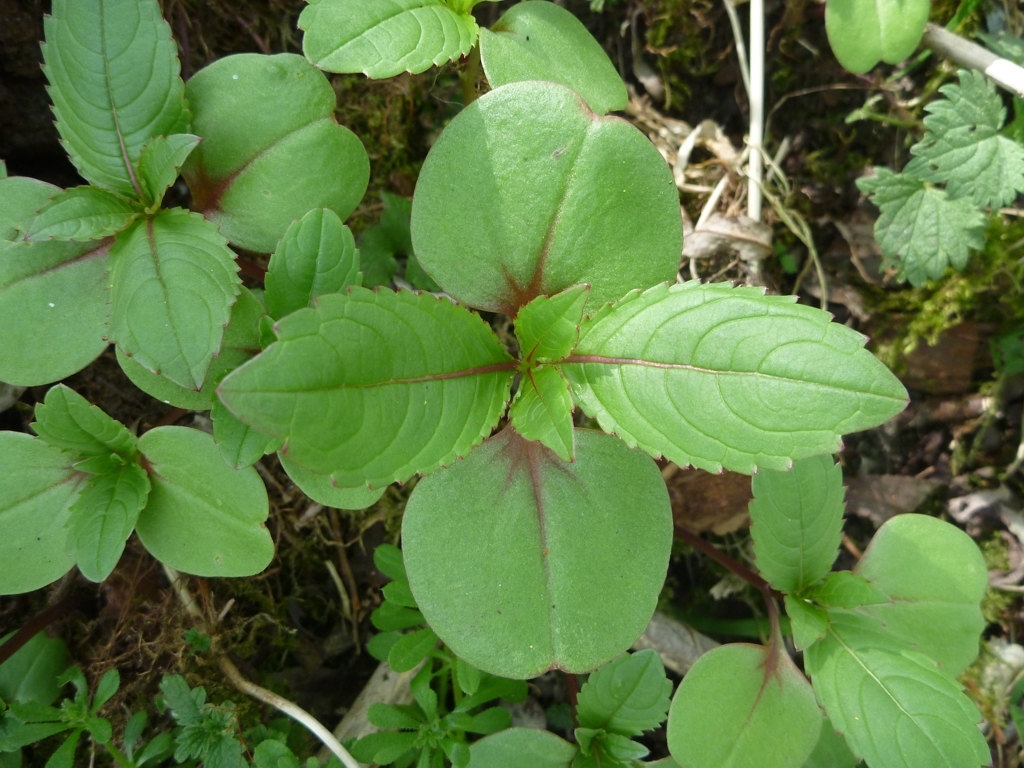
(864, 32)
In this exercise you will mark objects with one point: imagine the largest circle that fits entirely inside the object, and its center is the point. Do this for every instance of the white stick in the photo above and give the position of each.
(756, 165)
(966, 54)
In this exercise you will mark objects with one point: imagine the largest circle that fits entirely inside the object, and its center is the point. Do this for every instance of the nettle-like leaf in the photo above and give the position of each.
(627, 696)
(894, 706)
(240, 445)
(271, 148)
(863, 32)
(542, 41)
(708, 375)
(53, 295)
(549, 326)
(202, 517)
(936, 577)
(797, 522)
(542, 410)
(541, 568)
(30, 674)
(82, 214)
(68, 421)
(374, 387)
(921, 228)
(320, 488)
(386, 37)
(549, 196)
(173, 281)
(160, 161)
(317, 255)
(37, 488)
(113, 71)
(743, 704)
(963, 147)
(522, 748)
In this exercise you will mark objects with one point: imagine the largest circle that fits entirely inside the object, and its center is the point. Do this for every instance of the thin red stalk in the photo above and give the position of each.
(37, 624)
(726, 562)
(573, 684)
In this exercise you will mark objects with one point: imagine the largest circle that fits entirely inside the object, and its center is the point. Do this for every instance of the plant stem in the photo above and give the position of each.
(756, 166)
(468, 76)
(37, 624)
(572, 682)
(726, 562)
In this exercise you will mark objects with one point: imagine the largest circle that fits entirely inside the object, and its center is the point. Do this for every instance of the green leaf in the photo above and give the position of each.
(321, 489)
(317, 255)
(64, 757)
(240, 445)
(271, 149)
(921, 227)
(386, 37)
(549, 326)
(160, 161)
(31, 673)
(797, 522)
(843, 589)
(542, 410)
(549, 596)
(809, 622)
(522, 748)
(37, 488)
(105, 689)
(743, 704)
(104, 517)
(411, 649)
(542, 41)
(179, 698)
(628, 696)
(81, 213)
(830, 751)
(376, 258)
(373, 387)
(113, 72)
(548, 196)
(66, 420)
(390, 617)
(203, 517)
(173, 281)
(275, 754)
(398, 592)
(386, 716)
(468, 676)
(862, 32)
(53, 295)
(491, 721)
(936, 577)
(388, 559)
(708, 374)
(906, 712)
(963, 147)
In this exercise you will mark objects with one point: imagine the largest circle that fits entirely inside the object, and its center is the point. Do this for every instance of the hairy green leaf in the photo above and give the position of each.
(628, 696)
(963, 147)
(921, 228)
(173, 281)
(842, 589)
(743, 704)
(160, 161)
(373, 387)
(81, 213)
(320, 488)
(37, 488)
(548, 196)
(66, 420)
(797, 522)
(549, 326)
(542, 410)
(113, 71)
(317, 255)
(203, 517)
(522, 748)
(31, 673)
(936, 577)
(809, 622)
(240, 445)
(385, 37)
(271, 149)
(104, 517)
(410, 649)
(862, 32)
(501, 569)
(710, 375)
(542, 41)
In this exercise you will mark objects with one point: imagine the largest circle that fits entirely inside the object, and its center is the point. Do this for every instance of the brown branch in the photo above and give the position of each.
(573, 684)
(727, 562)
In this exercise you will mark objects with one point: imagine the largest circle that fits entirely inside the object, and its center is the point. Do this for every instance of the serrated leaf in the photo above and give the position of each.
(173, 282)
(203, 517)
(743, 704)
(81, 214)
(921, 228)
(627, 696)
(936, 577)
(160, 161)
(53, 295)
(542, 410)
(386, 37)
(239, 444)
(272, 150)
(522, 748)
(30, 674)
(388, 559)
(317, 255)
(963, 147)
(104, 517)
(549, 326)
(542, 41)
(548, 596)
(386, 716)
(842, 589)
(320, 488)
(862, 32)
(66, 420)
(409, 650)
(113, 71)
(797, 522)
(906, 712)
(372, 387)
(809, 622)
(600, 206)
(708, 374)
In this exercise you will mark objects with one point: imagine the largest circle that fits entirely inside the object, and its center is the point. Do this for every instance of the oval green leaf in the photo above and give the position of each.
(240, 445)
(863, 32)
(549, 195)
(627, 696)
(203, 517)
(522, 563)
(68, 421)
(271, 148)
(30, 675)
(831, 750)
(320, 488)
(80, 214)
(522, 748)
